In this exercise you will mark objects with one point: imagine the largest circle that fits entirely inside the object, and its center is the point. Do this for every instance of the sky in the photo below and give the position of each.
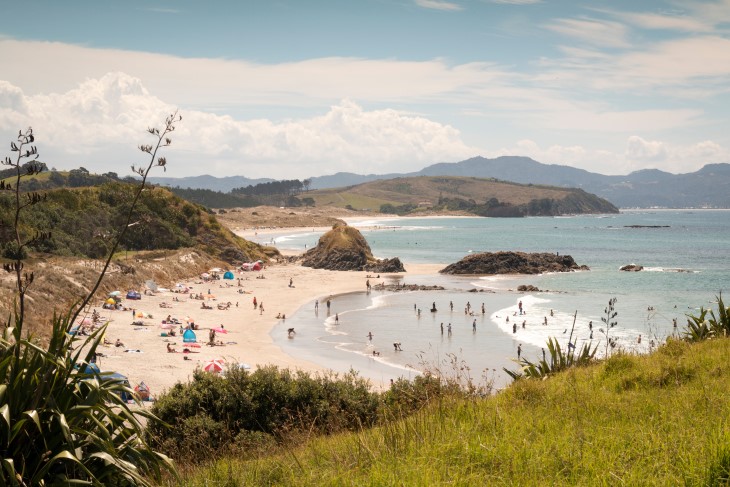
(294, 89)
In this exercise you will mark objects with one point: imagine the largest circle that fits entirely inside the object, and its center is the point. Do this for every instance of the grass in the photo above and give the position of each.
(660, 419)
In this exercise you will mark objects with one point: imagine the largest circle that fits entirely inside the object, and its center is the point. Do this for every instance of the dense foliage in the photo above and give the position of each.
(61, 420)
(575, 202)
(85, 221)
(249, 412)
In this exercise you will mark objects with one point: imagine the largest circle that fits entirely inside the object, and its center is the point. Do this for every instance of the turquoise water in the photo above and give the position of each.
(686, 265)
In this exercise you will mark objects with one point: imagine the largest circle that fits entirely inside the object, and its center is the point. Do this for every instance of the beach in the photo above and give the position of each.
(650, 303)
(247, 338)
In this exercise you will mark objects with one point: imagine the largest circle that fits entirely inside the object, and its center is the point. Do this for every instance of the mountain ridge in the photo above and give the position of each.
(706, 187)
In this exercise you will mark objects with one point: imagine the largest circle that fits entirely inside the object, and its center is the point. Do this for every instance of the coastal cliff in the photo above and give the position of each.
(513, 263)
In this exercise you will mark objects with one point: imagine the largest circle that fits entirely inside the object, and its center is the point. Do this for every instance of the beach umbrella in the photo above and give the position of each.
(205, 275)
(215, 270)
(110, 301)
(214, 366)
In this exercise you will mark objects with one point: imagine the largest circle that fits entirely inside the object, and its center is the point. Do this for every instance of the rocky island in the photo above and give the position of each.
(345, 249)
(488, 263)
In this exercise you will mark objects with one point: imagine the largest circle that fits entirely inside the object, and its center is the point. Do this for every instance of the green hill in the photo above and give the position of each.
(484, 197)
(83, 222)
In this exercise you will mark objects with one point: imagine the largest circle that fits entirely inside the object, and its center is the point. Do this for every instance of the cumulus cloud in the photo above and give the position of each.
(639, 154)
(638, 149)
(98, 124)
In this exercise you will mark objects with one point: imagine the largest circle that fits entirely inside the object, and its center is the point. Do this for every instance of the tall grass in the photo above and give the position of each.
(660, 419)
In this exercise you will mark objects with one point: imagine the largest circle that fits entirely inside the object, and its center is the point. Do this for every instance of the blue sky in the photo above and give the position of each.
(287, 88)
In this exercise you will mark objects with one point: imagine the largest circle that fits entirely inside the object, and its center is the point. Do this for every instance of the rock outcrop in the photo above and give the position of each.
(345, 249)
(385, 265)
(489, 263)
(529, 288)
(632, 268)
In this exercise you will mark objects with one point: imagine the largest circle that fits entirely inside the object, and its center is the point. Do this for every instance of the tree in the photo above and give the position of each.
(62, 421)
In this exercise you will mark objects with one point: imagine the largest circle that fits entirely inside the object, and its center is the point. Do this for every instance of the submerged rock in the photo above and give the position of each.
(513, 263)
(632, 268)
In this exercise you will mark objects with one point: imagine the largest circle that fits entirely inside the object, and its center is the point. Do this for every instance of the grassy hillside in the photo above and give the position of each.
(486, 197)
(660, 419)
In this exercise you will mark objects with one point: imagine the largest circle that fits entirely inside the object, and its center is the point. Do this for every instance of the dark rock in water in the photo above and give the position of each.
(345, 249)
(632, 268)
(528, 288)
(513, 263)
(646, 226)
(385, 265)
(407, 287)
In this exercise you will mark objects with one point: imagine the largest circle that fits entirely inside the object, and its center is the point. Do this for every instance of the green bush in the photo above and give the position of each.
(265, 404)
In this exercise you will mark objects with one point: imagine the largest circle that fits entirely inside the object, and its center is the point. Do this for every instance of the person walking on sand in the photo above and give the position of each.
(337, 318)
(442, 327)
(474, 325)
(255, 304)
(519, 351)
(451, 305)
(448, 328)
(519, 305)
(316, 305)
(291, 282)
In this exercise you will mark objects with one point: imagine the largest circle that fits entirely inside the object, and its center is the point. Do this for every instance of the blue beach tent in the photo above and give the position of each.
(228, 275)
(189, 336)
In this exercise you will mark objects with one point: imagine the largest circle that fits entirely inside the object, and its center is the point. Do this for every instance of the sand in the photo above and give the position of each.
(144, 356)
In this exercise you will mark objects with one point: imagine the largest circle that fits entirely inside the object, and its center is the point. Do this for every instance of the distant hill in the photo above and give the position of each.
(224, 184)
(479, 196)
(647, 188)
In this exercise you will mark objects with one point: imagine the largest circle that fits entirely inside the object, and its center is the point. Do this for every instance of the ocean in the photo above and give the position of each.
(686, 259)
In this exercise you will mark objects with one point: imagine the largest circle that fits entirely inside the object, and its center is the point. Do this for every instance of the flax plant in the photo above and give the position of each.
(61, 421)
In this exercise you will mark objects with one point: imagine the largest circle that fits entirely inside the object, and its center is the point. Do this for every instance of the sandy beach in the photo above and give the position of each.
(144, 356)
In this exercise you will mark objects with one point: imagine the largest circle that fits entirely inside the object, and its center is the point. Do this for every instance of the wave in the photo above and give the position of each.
(670, 269)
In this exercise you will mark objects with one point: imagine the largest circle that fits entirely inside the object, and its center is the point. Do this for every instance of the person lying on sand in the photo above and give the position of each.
(170, 348)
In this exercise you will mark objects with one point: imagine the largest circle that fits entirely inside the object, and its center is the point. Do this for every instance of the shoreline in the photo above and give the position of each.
(248, 340)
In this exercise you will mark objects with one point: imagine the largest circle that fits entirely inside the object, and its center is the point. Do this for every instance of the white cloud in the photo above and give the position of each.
(640, 150)
(593, 31)
(665, 22)
(438, 5)
(204, 83)
(672, 157)
(639, 154)
(98, 125)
